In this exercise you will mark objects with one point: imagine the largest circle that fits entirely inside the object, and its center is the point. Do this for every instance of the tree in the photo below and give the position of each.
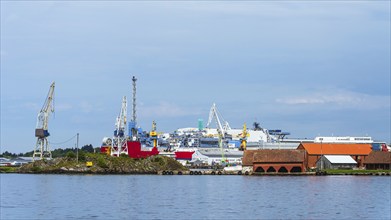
(71, 154)
(88, 148)
(8, 154)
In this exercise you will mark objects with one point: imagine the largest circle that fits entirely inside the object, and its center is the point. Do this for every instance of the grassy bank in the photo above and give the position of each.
(355, 172)
(9, 169)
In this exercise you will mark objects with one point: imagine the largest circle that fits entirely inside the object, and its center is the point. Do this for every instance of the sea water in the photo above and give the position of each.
(25, 196)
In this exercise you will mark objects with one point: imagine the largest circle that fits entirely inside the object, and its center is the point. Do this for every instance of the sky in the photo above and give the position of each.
(311, 68)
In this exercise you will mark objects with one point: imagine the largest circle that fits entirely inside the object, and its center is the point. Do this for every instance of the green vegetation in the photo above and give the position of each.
(101, 161)
(352, 172)
(8, 169)
(71, 154)
(59, 152)
(103, 164)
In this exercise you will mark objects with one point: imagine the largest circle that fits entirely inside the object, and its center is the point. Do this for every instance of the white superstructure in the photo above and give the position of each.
(347, 139)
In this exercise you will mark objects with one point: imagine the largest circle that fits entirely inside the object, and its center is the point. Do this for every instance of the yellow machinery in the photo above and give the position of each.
(153, 134)
(108, 150)
(243, 138)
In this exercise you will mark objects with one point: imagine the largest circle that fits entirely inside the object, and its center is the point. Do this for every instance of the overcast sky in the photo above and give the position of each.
(308, 67)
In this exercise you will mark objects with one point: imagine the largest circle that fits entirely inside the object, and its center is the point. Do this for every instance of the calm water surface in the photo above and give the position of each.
(26, 196)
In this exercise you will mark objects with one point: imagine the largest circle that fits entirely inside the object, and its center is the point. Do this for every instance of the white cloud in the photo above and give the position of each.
(345, 99)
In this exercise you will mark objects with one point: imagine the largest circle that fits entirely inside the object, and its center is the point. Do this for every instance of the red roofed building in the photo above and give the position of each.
(378, 160)
(315, 150)
(275, 161)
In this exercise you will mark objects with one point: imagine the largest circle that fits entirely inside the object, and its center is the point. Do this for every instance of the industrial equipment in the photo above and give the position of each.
(42, 147)
(222, 125)
(153, 134)
(243, 138)
(133, 131)
(120, 145)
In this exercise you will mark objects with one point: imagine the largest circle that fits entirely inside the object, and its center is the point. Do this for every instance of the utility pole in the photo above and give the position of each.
(77, 148)
(321, 154)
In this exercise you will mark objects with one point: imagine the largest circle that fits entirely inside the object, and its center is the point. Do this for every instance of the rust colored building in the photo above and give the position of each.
(315, 150)
(378, 160)
(275, 161)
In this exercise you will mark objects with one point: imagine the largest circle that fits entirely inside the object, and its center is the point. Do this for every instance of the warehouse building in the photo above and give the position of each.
(378, 160)
(275, 161)
(336, 162)
(315, 150)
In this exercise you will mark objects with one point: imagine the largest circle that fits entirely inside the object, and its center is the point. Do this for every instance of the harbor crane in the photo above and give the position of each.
(222, 125)
(153, 134)
(120, 145)
(243, 138)
(42, 147)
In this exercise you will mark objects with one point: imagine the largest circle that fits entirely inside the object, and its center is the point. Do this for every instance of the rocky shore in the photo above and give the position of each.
(103, 164)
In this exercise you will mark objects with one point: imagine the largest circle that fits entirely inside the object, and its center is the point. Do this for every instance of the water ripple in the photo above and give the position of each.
(193, 197)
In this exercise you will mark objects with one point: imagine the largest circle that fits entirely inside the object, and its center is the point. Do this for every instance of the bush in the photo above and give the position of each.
(36, 169)
(71, 154)
(158, 159)
(102, 162)
(124, 155)
(82, 156)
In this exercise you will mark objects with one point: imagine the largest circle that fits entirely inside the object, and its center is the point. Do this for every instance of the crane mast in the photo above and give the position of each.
(120, 145)
(42, 147)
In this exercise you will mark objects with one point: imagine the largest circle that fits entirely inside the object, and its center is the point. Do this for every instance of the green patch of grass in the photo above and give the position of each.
(8, 169)
(337, 171)
(36, 169)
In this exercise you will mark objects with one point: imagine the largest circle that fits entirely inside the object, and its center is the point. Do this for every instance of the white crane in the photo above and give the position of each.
(222, 128)
(42, 148)
(120, 145)
(222, 125)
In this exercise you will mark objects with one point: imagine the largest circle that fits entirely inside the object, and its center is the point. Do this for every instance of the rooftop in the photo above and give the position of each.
(336, 148)
(279, 156)
(378, 157)
(338, 159)
(272, 156)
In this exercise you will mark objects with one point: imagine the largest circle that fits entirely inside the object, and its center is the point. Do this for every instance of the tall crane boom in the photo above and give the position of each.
(222, 128)
(222, 125)
(120, 145)
(42, 148)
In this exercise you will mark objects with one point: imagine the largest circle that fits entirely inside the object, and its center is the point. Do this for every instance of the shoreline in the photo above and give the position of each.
(15, 170)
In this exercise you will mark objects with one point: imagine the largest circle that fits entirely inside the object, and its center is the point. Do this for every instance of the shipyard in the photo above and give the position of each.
(195, 110)
(217, 149)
